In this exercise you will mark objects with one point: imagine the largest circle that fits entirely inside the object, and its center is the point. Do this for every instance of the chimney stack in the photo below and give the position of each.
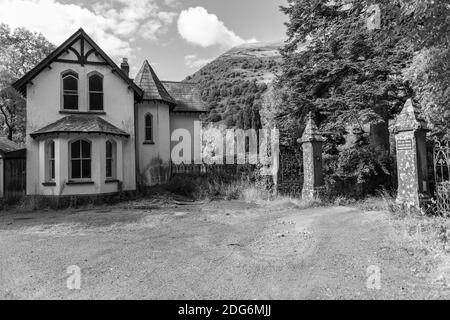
(125, 67)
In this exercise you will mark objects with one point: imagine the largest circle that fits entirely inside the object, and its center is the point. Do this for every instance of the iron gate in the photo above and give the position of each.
(441, 161)
(290, 173)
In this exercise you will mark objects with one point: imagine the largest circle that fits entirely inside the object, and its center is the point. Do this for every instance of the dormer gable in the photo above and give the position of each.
(78, 49)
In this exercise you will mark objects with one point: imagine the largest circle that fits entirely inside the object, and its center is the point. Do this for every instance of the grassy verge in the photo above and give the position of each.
(427, 234)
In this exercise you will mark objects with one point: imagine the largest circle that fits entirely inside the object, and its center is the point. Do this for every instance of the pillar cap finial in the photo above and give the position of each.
(311, 132)
(410, 119)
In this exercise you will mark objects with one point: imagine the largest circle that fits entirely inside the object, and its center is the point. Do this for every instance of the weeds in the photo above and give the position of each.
(37, 202)
(206, 188)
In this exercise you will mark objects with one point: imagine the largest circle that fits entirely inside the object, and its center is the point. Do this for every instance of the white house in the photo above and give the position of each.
(92, 130)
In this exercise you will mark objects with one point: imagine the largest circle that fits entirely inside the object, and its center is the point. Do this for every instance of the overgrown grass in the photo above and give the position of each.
(215, 188)
(386, 201)
(37, 202)
(428, 236)
(425, 232)
(248, 190)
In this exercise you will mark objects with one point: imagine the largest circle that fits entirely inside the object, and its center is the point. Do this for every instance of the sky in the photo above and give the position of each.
(177, 37)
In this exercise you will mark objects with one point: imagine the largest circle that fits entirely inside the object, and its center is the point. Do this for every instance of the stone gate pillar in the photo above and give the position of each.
(412, 168)
(312, 160)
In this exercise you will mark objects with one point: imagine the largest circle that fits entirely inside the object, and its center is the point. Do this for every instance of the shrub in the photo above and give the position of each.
(182, 185)
(222, 185)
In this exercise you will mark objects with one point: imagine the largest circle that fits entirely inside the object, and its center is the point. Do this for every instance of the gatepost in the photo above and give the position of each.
(312, 161)
(410, 139)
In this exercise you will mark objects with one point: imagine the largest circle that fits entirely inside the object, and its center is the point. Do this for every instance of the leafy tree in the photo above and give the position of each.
(348, 74)
(256, 118)
(225, 82)
(429, 30)
(20, 51)
(345, 72)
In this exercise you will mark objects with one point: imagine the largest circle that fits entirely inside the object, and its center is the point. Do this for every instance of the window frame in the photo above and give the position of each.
(50, 161)
(81, 159)
(64, 92)
(112, 158)
(89, 76)
(147, 126)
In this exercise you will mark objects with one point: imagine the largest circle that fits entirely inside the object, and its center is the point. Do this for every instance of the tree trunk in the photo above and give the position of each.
(10, 134)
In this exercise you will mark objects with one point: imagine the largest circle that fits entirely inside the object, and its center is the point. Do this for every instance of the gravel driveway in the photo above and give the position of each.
(218, 250)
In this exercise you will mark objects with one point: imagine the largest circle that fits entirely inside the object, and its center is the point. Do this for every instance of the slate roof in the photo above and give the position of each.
(80, 124)
(187, 96)
(7, 145)
(149, 82)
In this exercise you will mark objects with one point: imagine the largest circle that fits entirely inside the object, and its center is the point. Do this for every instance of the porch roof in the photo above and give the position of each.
(80, 124)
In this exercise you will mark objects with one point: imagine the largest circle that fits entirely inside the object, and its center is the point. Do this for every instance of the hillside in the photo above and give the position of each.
(232, 85)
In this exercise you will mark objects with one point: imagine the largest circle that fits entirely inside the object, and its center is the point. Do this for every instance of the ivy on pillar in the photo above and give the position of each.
(410, 138)
(312, 142)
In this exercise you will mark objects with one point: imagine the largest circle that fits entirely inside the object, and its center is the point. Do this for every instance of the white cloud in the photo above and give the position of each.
(166, 17)
(149, 30)
(152, 29)
(111, 23)
(172, 3)
(204, 29)
(193, 62)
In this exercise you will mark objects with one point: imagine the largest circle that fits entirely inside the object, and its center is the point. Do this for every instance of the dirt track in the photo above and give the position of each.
(220, 250)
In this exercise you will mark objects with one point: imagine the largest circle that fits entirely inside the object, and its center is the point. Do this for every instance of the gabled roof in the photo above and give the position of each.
(80, 124)
(187, 96)
(7, 145)
(153, 89)
(21, 84)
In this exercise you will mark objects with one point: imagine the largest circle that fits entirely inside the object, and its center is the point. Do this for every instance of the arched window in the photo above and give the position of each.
(50, 161)
(149, 127)
(95, 92)
(70, 90)
(80, 160)
(110, 159)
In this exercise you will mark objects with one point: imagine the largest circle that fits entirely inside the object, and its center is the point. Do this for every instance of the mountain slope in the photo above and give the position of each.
(232, 84)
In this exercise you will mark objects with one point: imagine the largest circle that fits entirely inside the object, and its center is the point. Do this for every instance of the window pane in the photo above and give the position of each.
(75, 150)
(70, 101)
(108, 168)
(148, 134)
(76, 169)
(108, 149)
(96, 101)
(86, 149)
(70, 83)
(52, 150)
(95, 83)
(86, 169)
(52, 169)
(148, 120)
